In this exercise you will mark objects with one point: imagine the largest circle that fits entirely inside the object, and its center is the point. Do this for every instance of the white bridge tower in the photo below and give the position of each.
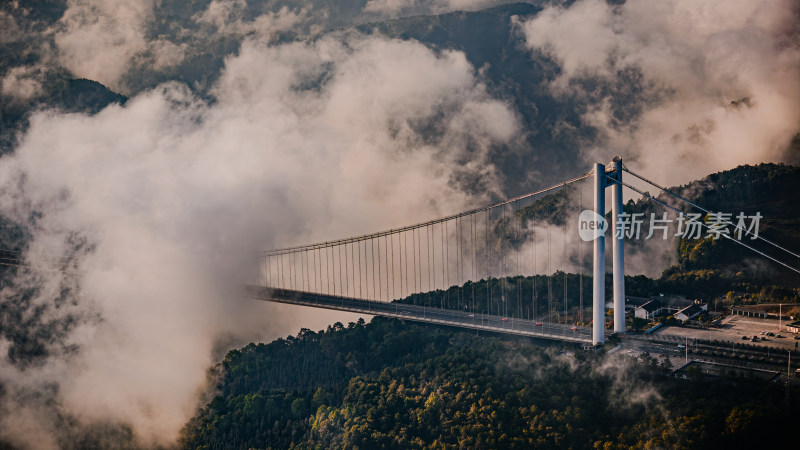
(602, 180)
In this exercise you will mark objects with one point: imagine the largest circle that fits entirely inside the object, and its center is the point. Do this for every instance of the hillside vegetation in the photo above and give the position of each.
(389, 384)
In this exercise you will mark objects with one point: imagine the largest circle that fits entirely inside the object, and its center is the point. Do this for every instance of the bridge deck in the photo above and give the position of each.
(522, 327)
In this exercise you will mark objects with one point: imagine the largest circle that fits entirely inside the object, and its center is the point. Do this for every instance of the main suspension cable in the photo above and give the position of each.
(747, 232)
(612, 180)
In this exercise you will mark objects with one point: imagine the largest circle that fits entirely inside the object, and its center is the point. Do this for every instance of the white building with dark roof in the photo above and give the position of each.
(649, 310)
(687, 309)
(689, 312)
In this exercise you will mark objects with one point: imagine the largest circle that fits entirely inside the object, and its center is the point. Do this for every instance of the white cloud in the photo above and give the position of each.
(98, 38)
(20, 83)
(394, 8)
(9, 30)
(227, 17)
(166, 54)
(388, 6)
(581, 37)
(174, 197)
(719, 78)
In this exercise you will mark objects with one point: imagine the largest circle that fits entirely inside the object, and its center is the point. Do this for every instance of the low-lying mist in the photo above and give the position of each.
(162, 205)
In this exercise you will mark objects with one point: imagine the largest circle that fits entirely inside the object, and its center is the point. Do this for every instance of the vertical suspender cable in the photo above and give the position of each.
(358, 262)
(533, 251)
(322, 287)
(270, 279)
(327, 281)
(428, 266)
(580, 259)
(458, 263)
(386, 264)
(518, 275)
(352, 266)
(416, 255)
(549, 278)
(308, 270)
(421, 274)
(488, 265)
(281, 272)
(407, 290)
(461, 268)
(429, 248)
(446, 264)
(565, 254)
(380, 271)
(374, 285)
(503, 271)
(391, 259)
(341, 278)
(403, 267)
(419, 260)
(432, 257)
(328, 272)
(291, 271)
(269, 271)
(329, 269)
(474, 259)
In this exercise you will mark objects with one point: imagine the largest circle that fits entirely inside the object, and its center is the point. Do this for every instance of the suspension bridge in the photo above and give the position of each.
(514, 267)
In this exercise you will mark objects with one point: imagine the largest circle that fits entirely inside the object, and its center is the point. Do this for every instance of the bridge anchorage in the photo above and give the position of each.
(513, 267)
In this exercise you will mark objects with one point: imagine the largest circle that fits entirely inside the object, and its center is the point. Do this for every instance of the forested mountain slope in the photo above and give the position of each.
(389, 384)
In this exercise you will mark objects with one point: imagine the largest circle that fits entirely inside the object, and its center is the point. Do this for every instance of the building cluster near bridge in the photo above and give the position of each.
(652, 308)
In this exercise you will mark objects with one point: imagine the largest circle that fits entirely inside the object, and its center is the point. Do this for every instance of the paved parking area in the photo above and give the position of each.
(733, 329)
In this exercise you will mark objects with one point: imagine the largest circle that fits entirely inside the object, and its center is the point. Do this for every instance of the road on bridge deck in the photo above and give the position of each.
(476, 321)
